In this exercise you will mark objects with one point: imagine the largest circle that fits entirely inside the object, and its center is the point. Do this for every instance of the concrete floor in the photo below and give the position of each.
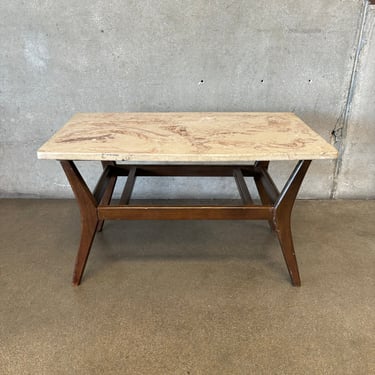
(187, 297)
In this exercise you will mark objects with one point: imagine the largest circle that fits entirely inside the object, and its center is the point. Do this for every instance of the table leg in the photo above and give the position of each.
(108, 192)
(282, 218)
(89, 218)
(264, 197)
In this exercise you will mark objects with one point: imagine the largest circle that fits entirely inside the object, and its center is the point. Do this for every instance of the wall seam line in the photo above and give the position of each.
(340, 131)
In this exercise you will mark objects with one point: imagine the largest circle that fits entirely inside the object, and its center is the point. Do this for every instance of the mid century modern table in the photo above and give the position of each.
(186, 144)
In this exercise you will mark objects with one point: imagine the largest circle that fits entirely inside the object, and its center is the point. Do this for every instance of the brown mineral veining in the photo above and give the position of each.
(186, 137)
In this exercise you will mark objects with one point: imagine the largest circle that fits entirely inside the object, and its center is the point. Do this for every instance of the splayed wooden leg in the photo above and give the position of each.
(282, 218)
(89, 218)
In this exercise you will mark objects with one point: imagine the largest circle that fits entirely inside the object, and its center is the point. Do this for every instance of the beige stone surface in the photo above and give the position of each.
(186, 137)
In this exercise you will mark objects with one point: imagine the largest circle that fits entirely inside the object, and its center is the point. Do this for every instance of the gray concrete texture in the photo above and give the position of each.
(59, 58)
(359, 144)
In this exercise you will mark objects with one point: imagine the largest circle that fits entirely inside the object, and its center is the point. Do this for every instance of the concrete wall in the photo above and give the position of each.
(356, 175)
(59, 58)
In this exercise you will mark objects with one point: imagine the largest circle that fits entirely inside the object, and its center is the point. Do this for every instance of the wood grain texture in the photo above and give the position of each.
(185, 213)
(186, 137)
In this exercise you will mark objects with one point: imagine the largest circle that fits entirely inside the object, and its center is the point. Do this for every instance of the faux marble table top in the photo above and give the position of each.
(186, 137)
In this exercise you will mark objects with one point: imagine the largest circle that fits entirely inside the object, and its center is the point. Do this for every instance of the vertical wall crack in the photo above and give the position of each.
(341, 127)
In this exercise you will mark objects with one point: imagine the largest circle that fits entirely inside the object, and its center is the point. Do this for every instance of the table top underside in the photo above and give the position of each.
(196, 137)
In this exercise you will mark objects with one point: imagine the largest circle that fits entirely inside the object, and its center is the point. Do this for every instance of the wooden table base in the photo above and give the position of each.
(276, 207)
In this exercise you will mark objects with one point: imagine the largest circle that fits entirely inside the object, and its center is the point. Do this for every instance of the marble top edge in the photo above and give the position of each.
(185, 137)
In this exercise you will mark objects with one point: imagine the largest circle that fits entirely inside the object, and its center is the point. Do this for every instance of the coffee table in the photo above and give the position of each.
(186, 144)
